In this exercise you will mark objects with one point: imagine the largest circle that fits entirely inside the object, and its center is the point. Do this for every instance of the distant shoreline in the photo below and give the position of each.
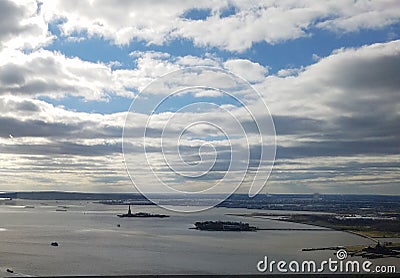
(74, 195)
(328, 203)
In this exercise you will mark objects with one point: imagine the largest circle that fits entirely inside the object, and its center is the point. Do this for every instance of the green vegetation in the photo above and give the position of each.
(370, 226)
(363, 226)
(379, 234)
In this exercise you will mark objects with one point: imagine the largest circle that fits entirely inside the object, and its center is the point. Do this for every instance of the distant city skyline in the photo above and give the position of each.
(327, 70)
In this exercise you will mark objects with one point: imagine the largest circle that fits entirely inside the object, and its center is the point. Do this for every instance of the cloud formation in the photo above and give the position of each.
(22, 25)
(230, 25)
(337, 119)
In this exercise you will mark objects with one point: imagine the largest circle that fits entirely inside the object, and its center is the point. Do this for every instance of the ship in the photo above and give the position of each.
(141, 214)
(224, 226)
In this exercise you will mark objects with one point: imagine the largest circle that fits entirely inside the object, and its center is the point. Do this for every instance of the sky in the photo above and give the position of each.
(325, 72)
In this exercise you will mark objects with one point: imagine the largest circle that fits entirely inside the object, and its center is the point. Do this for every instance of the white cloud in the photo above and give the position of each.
(252, 72)
(337, 84)
(269, 21)
(45, 73)
(121, 22)
(289, 72)
(31, 116)
(350, 16)
(22, 25)
(345, 103)
(52, 148)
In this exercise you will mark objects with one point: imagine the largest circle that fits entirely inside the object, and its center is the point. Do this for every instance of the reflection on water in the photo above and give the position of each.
(92, 240)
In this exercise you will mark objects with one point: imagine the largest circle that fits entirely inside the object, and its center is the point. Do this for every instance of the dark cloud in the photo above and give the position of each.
(285, 125)
(344, 135)
(110, 179)
(152, 132)
(372, 126)
(379, 74)
(67, 131)
(33, 77)
(340, 148)
(63, 148)
(9, 12)
(18, 106)
(26, 106)
(12, 75)
(13, 24)
(33, 128)
(359, 90)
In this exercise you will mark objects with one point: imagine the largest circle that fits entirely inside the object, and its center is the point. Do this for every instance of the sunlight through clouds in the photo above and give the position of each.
(327, 70)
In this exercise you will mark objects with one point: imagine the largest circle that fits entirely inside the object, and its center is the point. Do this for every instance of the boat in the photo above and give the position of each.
(141, 214)
(224, 226)
(61, 210)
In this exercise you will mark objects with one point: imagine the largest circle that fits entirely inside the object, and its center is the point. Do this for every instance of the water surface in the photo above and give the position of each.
(90, 242)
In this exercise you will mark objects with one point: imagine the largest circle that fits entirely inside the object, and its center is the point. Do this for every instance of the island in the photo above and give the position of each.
(141, 214)
(224, 226)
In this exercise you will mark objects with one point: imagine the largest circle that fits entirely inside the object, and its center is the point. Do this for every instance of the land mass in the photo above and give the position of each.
(373, 216)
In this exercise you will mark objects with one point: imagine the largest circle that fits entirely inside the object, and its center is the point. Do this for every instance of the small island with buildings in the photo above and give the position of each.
(141, 214)
(224, 226)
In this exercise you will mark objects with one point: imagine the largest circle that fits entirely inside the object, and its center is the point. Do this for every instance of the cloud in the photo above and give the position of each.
(51, 74)
(353, 174)
(64, 173)
(252, 72)
(120, 22)
(345, 104)
(249, 23)
(361, 15)
(347, 82)
(343, 108)
(22, 25)
(335, 108)
(26, 119)
(51, 148)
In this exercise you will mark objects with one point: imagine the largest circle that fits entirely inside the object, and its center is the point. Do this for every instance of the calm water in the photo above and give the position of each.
(92, 243)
